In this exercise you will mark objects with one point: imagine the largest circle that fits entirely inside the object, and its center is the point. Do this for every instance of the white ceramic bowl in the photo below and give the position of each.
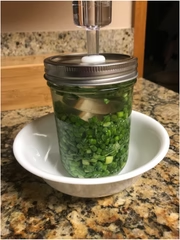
(36, 149)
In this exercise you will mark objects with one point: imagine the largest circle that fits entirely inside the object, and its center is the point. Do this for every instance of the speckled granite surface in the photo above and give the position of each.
(148, 210)
(34, 43)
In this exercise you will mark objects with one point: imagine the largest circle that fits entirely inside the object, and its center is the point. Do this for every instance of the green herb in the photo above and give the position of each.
(93, 149)
(106, 101)
(109, 159)
(97, 147)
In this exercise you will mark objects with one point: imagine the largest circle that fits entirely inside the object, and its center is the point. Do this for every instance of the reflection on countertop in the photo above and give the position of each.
(148, 210)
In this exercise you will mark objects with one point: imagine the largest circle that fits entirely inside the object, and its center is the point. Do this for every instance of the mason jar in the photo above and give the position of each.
(92, 108)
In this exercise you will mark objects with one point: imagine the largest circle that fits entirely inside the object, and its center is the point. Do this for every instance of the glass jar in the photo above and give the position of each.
(92, 108)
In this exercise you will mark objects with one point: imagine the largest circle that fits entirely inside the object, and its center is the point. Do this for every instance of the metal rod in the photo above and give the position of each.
(92, 37)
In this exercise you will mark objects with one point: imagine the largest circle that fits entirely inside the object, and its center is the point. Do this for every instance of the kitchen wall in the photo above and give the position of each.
(46, 27)
(54, 16)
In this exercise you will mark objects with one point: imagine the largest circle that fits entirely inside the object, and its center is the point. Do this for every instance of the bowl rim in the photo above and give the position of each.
(96, 181)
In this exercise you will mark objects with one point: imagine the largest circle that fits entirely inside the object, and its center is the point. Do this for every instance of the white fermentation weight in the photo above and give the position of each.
(94, 59)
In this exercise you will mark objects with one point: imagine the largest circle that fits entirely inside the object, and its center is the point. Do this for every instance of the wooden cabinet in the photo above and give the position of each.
(139, 24)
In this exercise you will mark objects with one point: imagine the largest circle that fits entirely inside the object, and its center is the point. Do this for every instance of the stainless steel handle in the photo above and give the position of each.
(92, 15)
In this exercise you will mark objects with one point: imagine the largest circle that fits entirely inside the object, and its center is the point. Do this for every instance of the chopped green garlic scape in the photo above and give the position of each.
(97, 146)
(94, 148)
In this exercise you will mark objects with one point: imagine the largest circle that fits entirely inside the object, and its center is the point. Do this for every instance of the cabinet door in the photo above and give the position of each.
(139, 24)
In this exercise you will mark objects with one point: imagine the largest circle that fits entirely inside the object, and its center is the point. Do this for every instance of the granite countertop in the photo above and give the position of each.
(148, 210)
(38, 43)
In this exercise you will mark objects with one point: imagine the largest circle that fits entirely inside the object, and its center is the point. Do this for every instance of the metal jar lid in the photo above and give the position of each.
(69, 70)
